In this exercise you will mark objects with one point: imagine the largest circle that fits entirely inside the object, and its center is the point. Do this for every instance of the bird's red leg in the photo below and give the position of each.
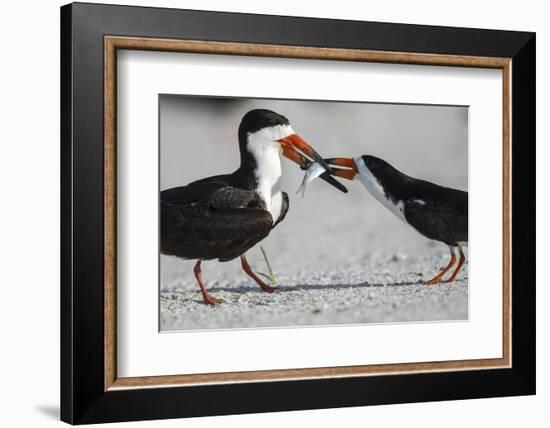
(250, 272)
(438, 277)
(459, 266)
(209, 299)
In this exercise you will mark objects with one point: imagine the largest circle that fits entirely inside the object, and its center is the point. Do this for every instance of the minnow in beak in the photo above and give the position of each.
(294, 148)
(294, 145)
(343, 167)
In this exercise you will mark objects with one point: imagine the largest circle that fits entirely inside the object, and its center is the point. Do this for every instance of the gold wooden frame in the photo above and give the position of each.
(113, 43)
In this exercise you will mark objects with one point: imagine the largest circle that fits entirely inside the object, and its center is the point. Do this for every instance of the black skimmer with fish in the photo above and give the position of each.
(437, 212)
(222, 217)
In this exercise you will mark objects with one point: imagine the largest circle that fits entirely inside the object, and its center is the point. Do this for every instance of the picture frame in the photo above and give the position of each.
(91, 391)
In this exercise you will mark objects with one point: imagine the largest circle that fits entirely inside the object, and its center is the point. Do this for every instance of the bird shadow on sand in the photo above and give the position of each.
(230, 295)
(306, 287)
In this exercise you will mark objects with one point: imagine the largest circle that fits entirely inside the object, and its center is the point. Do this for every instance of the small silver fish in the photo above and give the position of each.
(314, 171)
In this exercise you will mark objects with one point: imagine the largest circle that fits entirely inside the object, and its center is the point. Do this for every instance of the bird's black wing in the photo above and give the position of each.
(196, 191)
(211, 219)
(443, 216)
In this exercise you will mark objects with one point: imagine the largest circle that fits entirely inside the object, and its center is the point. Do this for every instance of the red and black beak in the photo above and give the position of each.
(343, 167)
(296, 149)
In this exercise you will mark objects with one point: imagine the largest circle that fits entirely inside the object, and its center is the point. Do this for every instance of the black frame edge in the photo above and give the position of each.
(304, 31)
(524, 213)
(66, 316)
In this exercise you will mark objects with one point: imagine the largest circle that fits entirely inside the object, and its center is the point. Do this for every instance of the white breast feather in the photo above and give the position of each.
(375, 189)
(266, 150)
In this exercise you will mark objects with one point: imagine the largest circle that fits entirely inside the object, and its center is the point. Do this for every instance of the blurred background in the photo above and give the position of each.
(327, 230)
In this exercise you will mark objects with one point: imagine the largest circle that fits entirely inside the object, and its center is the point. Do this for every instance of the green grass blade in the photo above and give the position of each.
(272, 276)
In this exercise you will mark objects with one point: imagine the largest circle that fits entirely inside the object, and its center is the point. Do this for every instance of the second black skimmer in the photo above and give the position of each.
(437, 212)
(222, 217)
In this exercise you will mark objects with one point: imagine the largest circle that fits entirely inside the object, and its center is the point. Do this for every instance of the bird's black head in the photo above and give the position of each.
(256, 120)
(264, 134)
(381, 177)
(381, 169)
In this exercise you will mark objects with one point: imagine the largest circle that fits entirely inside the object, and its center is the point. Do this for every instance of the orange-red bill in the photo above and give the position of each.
(343, 167)
(294, 156)
(293, 148)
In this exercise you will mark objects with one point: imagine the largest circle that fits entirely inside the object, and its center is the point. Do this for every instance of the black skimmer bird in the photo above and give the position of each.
(222, 217)
(437, 212)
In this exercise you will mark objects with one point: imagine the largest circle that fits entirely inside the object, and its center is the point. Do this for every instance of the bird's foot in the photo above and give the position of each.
(246, 267)
(267, 288)
(435, 280)
(210, 300)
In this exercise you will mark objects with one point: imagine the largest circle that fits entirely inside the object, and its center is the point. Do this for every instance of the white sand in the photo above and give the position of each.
(338, 298)
(364, 275)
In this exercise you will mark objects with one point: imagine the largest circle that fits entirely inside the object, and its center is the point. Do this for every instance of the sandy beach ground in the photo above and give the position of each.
(339, 259)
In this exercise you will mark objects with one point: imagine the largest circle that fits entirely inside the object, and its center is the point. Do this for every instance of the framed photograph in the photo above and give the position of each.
(266, 213)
